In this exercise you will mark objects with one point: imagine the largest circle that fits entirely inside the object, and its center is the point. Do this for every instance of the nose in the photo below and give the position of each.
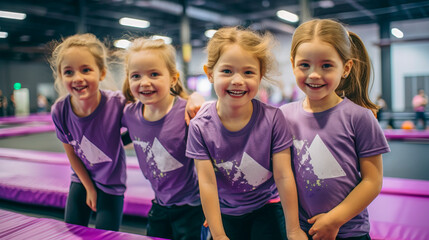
(144, 81)
(314, 74)
(237, 79)
(78, 77)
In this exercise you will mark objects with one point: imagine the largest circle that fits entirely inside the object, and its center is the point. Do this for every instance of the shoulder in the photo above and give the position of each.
(58, 107)
(205, 113)
(114, 96)
(288, 108)
(356, 112)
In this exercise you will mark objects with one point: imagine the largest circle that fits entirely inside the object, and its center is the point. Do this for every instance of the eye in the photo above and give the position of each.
(249, 72)
(326, 66)
(227, 71)
(67, 72)
(304, 65)
(135, 76)
(86, 70)
(154, 74)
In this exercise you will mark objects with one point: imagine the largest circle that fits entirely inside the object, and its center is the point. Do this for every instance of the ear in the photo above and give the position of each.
(293, 63)
(209, 73)
(175, 78)
(347, 68)
(103, 74)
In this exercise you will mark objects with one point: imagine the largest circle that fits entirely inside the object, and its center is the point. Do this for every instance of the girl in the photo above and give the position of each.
(88, 122)
(241, 146)
(158, 131)
(337, 141)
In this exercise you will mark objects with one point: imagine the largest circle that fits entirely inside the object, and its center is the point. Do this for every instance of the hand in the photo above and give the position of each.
(193, 105)
(323, 227)
(91, 200)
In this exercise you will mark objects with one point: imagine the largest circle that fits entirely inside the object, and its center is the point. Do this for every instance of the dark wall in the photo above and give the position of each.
(28, 73)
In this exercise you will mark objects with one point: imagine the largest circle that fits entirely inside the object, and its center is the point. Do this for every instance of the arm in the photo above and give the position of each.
(285, 181)
(209, 198)
(327, 225)
(82, 173)
(193, 105)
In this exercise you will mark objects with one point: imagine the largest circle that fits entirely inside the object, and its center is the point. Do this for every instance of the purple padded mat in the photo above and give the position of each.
(42, 183)
(18, 226)
(400, 134)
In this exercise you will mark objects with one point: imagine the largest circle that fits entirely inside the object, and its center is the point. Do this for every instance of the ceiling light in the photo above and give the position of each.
(3, 34)
(288, 16)
(166, 39)
(209, 33)
(13, 15)
(326, 4)
(397, 33)
(122, 43)
(132, 22)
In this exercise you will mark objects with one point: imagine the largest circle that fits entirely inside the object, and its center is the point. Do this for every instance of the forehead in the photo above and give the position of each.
(77, 56)
(316, 49)
(234, 54)
(149, 58)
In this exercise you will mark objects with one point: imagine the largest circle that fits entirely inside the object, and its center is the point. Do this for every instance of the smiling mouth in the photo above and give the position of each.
(236, 93)
(79, 89)
(147, 92)
(315, 85)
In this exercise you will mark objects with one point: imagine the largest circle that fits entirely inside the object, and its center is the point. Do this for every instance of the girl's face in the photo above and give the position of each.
(80, 73)
(236, 76)
(149, 78)
(318, 70)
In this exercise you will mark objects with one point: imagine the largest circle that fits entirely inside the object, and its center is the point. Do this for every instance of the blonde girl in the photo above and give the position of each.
(158, 131)
(88, 122)
(337, 141)
(241, 145)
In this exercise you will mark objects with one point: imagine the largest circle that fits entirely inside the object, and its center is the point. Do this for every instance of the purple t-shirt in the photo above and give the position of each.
(160, 147)
(326, 150)
(96, 140)
(243, 159)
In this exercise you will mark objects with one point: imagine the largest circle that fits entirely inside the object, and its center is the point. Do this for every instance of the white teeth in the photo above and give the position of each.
(314, 85)
(79, 88)
(236, 93)
(147, 92)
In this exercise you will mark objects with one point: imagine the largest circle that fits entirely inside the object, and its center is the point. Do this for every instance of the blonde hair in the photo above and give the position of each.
(349, 47)
(94, 46)
(260, 45)
(167, 52)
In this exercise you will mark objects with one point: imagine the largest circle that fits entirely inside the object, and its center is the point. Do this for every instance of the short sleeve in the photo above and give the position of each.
(282, 137)
(196, 148)
(370, 138)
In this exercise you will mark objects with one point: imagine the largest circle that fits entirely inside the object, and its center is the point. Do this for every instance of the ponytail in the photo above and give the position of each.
(356, 85)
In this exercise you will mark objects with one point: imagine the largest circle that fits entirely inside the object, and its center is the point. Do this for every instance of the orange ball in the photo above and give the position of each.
(407, 125)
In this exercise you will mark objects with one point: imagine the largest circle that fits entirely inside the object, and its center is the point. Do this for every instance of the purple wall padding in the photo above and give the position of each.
(400, 134)
(18, 226)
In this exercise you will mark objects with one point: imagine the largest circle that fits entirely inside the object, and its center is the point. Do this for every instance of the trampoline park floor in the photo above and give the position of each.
(407, 160)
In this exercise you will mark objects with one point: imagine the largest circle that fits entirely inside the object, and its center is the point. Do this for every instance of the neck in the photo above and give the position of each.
(154, 112)
(321, 105)
(84, 108)
(234, 119)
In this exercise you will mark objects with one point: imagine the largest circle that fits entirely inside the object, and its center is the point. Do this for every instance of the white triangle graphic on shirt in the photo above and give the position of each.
(92, 153)
(163, 159)
(324, 164)
(253, 172)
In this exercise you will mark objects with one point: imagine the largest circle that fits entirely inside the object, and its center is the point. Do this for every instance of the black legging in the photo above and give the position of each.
(109, 208)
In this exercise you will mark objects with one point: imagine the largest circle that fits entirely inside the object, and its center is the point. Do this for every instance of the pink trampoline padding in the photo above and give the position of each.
(400, 134)
(47, 184)
(399, 217)
(28, 129)
(40, 117)
(49, 157)
(18, 226)
(402, 186)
